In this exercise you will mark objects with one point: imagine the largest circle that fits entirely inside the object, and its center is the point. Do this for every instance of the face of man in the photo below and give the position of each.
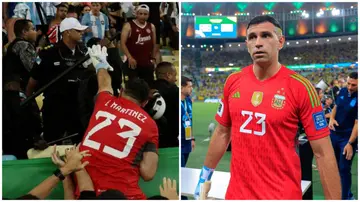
(328, 101)
(30, 34)
(75, 35)
(95, 8)
(86, 9)
(352, 85)
(187, 90)
(142, 15)
(264, 41)
(336, 83)
(171, 76)
(62, 12)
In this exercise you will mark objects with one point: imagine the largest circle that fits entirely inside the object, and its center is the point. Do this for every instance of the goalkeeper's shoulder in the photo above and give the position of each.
(236, 76)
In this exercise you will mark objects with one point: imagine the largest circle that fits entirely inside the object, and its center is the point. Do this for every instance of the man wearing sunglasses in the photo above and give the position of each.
(60, 104)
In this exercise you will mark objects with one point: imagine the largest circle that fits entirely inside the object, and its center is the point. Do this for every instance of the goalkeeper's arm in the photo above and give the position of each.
(218, 145)
(104, 81)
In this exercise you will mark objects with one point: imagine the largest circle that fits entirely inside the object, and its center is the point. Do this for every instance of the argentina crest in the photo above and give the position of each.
(257, 98)
(278, 101)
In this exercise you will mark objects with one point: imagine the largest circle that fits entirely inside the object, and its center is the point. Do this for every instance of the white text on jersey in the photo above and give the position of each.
(141, 117)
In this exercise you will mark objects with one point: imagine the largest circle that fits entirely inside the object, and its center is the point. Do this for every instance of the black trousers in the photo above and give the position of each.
(61, 116)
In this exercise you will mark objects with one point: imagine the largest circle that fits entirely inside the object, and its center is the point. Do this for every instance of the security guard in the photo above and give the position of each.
(187, 138)
(344, 131)
(169, 124)
(60, 106)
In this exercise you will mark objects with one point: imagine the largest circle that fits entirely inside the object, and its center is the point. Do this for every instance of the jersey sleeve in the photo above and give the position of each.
(311, 113)
(222, 115)
(106, 23)
(86, 20)
(152, 144)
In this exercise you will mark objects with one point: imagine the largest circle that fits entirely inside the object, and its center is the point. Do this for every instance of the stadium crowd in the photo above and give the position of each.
(210, 85)
(44, 39)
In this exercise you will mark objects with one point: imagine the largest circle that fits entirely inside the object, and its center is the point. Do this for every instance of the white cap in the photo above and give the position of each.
(71, 23)
(143, 7)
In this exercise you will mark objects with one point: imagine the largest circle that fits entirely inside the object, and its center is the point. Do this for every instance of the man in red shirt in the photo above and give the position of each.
(121, 136)
(138, 40)
(262, 123)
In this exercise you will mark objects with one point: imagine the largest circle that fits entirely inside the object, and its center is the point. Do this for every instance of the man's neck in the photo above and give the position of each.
(130, 98)
(263, 72)
(96, 14)
(183, 97)
(140, 23)
(71, 45)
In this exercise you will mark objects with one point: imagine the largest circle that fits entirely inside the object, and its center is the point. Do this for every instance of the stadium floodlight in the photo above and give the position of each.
(231, 64)
(209, 75)
(229, 45)
(349, 38)
(248, 14)
(208, 14)
(305, 15)
(210, 46)
(201, 46)
(351, 6)
(297, 42)
(307, 41)
(327, 40)
(220, 14)
(320, 13)
(192, 46)
(339, 39)
(188, 45)
(221, 46)
(335, 12)
(193, 14)
(239, 45)
(288, 43)
(316, 41)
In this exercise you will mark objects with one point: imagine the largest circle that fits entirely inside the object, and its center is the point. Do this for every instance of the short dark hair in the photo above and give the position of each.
(160, 68)
(137, 89)
(353, 75)
(184, 81)
(20, 26)
(112, 194)
(264, 18)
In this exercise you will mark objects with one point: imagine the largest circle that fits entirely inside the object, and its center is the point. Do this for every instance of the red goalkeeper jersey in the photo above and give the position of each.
(264, 117)
(118, 133)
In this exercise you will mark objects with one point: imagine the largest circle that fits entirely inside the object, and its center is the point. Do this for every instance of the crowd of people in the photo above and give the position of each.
(211, 85)
(80, 57)
(325, 54)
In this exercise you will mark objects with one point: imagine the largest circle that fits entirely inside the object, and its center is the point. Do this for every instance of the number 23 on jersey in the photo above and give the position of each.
(109, 119)
(259, 118)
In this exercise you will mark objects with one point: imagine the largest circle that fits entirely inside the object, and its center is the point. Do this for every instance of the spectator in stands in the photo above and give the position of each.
(327, 106)
(334, 88)
(85, 10)
(169, 124)
(72, 13)
(21, 55)
(97, 22)
(138, 39)
(344, 131)
(54, 32)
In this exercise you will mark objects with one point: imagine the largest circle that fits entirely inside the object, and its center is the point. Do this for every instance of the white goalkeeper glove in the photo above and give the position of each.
(98, 57)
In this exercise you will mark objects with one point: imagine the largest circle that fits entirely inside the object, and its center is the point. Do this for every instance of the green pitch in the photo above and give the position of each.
(204, 114)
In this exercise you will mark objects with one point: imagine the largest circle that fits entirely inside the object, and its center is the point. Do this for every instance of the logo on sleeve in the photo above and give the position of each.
(220, 109)
(319, 120)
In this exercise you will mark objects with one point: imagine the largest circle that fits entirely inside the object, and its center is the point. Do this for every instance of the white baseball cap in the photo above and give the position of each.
(71, 23)
(143, 7)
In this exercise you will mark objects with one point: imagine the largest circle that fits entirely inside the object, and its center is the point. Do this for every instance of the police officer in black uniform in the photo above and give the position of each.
(169, 124)
(60, 105)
